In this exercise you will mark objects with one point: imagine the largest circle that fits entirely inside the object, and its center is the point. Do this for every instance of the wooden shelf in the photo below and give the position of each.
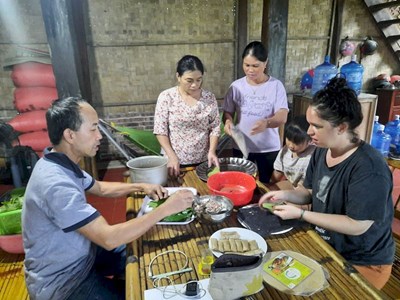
(388, 104)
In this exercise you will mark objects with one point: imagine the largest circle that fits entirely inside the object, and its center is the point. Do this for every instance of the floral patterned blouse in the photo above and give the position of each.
(188, 127)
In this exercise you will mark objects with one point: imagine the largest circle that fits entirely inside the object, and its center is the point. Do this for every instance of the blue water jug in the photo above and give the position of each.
(381, 141)
(391, 126)
(376, 124)
(394, 150)
(322, 74)
(353, 72)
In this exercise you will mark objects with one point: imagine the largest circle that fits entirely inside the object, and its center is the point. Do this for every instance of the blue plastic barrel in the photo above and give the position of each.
(381, 141)
(353, 73)
(322, 74)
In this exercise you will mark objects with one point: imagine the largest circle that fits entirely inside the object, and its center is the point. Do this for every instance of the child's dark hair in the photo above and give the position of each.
(296, 130)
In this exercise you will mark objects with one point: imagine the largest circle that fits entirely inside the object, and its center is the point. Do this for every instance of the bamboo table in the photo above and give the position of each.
(344, 281)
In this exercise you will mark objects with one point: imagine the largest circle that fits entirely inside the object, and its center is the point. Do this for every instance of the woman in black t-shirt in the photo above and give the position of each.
(348, 184)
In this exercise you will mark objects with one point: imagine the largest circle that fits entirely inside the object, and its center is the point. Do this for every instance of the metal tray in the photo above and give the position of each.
(228, 164)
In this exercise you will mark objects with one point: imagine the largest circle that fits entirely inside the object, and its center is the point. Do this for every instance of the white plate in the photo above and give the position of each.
(146, 208)
(245, 234)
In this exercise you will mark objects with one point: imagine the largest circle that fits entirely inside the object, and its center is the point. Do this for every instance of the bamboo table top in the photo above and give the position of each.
(344, 281)
(12, 280)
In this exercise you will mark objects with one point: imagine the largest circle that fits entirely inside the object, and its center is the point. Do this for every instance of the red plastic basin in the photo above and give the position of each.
(12, 243)
(237, 186)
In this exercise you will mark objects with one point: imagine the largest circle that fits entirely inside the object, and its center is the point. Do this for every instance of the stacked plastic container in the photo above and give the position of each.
(35, 90)
(393, 129)
(322, 74)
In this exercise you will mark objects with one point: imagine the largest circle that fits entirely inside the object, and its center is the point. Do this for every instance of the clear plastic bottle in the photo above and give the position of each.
(381, 141)
(322, 74)
(353, 72)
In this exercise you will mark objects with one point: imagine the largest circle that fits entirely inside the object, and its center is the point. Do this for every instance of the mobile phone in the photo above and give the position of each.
(192, 288)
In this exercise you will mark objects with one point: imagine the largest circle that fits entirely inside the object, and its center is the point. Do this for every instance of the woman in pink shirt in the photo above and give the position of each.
(186, 120)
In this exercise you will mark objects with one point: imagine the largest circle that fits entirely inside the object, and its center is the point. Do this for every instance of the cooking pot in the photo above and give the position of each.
(148, 169)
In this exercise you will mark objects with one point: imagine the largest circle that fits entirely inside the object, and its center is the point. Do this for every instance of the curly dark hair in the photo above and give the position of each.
(337, 103)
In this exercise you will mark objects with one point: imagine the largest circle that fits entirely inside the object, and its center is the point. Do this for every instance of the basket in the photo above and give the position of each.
(10, 222)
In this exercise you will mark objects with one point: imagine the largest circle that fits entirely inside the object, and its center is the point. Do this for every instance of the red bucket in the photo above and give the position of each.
(237, 186)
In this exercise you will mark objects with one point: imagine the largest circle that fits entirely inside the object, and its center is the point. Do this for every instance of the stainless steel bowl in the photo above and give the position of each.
(212, 208)
(227, 164)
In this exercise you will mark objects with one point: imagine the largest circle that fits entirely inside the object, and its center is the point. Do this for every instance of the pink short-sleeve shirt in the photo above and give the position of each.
(188, 127)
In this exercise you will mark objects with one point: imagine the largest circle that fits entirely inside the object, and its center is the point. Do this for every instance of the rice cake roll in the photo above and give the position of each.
(232, 245)
(226, 245)
(229, 235)
(253, 252)
(214, 244)
(220, 246)
(253, 245)
(239, 247)
(246, 246)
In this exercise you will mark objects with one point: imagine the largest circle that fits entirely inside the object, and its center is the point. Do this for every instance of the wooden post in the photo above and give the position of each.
(274, 35)
(64, 23)
(242, 34)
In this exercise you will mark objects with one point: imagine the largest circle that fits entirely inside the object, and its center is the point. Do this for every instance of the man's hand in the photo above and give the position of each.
(155, 191)
(179, 201)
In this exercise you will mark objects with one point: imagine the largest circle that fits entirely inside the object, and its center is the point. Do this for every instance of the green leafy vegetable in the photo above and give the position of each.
(270, 205)
(12, 200)
(179, 217)
(215, 170)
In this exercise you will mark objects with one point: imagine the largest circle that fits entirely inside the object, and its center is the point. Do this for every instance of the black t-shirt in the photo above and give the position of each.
(361, 188)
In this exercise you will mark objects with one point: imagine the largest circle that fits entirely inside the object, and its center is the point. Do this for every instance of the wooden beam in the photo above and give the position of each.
(64, 23)
(385, 23)
(379, 6)
(242, 35)
(336, 30)
(274, 35)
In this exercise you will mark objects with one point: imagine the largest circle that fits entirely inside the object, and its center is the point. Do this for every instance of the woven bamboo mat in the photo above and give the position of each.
(191, 238)
(12, 281)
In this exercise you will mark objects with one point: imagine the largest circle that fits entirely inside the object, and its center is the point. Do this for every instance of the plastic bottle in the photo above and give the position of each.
(381, 141)
(391, 126)
(354, 74)
(322, 74)
(394, 151)
(376, 124)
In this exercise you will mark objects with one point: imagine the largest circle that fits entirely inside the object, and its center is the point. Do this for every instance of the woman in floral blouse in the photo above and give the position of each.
(186, 120)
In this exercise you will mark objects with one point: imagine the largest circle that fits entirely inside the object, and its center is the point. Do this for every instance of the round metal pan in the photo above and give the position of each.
(228, 164)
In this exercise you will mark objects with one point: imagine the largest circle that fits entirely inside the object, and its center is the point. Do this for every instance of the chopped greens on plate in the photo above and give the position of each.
(179, 217)
(12, 200)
